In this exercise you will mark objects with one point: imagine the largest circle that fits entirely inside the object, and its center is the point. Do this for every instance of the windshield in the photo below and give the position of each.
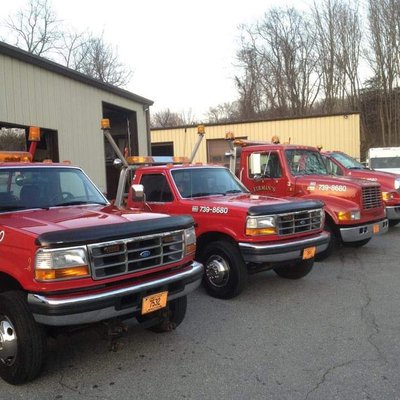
(196, 182)
(305, 162)
(347, 161)
(385, 162)
(44, 187)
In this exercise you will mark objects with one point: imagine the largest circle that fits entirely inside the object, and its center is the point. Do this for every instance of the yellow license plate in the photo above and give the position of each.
(375, 228)
(154, 302)
(309, 252)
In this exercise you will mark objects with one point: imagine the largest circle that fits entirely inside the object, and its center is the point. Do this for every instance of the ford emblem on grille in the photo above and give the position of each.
(302, 222)
(145, 254)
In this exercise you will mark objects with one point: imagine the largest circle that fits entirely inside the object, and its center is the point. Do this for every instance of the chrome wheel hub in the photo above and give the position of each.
(8, 341)
(217, 271)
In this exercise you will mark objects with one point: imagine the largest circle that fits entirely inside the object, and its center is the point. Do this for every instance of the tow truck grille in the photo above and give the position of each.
(124, 256)
(299, 222)
(372, 197)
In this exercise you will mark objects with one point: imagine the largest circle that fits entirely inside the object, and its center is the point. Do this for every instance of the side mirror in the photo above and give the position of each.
(137, 193)
(117, 163)
(255, 163)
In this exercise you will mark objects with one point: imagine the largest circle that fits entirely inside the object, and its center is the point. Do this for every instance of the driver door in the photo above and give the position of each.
(264, 171)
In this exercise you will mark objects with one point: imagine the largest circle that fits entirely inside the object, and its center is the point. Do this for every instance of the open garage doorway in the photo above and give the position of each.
(162, 149)
(125, 133)
(47, 148)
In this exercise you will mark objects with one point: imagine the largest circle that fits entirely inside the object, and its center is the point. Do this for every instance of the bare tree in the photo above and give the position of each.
(188, 117)
(169, 119)
(280, 65)
(338, 37)
(225, 112)
(349, 57)
(35, 29)
(72, 49)
(252, 97)
(383, 57)
(99, 60)
(166, 118)
(326, 33)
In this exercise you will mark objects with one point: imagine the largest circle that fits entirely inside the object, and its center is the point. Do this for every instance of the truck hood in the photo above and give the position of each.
(71, 224)
(386, 179)
(257, 204)
(345, 187)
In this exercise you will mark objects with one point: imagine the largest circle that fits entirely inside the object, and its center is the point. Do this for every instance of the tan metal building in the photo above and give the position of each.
(68, 107)
(333, 132)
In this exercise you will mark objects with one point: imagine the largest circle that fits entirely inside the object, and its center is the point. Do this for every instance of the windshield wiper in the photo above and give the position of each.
(73, 203)
(15, 208)
(233, 191)
(199, 194)
(11, 208)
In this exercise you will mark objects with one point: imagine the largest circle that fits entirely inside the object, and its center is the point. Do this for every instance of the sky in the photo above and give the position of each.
(182, 52)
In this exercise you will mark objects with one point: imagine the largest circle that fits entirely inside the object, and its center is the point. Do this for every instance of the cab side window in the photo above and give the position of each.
(333, 169)
(156, 188)
(270, 166)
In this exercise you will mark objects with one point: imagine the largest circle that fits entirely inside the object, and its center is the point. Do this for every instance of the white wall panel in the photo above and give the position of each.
(30, 95)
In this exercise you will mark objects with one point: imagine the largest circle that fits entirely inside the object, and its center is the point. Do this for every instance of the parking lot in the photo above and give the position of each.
(331, 335)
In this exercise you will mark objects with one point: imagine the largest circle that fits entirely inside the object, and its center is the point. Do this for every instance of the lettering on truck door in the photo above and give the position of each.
(265, 173)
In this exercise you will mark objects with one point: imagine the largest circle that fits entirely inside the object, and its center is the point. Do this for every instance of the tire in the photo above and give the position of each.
(358, 243)
(225, 273)
(394, 222)
(332, 245)
(175, 314)
(295, 271)
(23, 341)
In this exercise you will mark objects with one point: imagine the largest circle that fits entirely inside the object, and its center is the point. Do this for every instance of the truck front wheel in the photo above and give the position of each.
(174, 315)
(295, 271)
(22, 341)
(225, 273)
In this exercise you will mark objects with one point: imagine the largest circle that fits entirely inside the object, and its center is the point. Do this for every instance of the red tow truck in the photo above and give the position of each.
(237, 232)
(354, 208)
(70, 258)
(341, 164)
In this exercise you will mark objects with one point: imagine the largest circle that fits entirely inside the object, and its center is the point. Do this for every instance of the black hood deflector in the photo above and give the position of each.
(104, 233)
(283, 208)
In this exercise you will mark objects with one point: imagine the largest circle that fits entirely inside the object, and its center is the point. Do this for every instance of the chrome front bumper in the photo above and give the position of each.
(393, 212)
(83, 309)
(362, 232)
(280, 252)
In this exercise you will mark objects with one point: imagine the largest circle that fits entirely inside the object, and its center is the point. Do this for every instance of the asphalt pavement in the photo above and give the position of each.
(331, 335)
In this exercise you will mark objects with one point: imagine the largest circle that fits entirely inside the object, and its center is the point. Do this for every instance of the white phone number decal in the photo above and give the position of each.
(334, 188)
(213, 210)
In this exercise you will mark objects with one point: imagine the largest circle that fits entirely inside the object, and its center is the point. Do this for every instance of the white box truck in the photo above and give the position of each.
(385, 159)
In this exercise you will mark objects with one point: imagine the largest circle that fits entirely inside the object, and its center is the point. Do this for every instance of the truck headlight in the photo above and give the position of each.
(318, 219)
(264, 225)
(349, 215)
(397, 183)
(387, 196)
(57, 264)
(190, 241)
